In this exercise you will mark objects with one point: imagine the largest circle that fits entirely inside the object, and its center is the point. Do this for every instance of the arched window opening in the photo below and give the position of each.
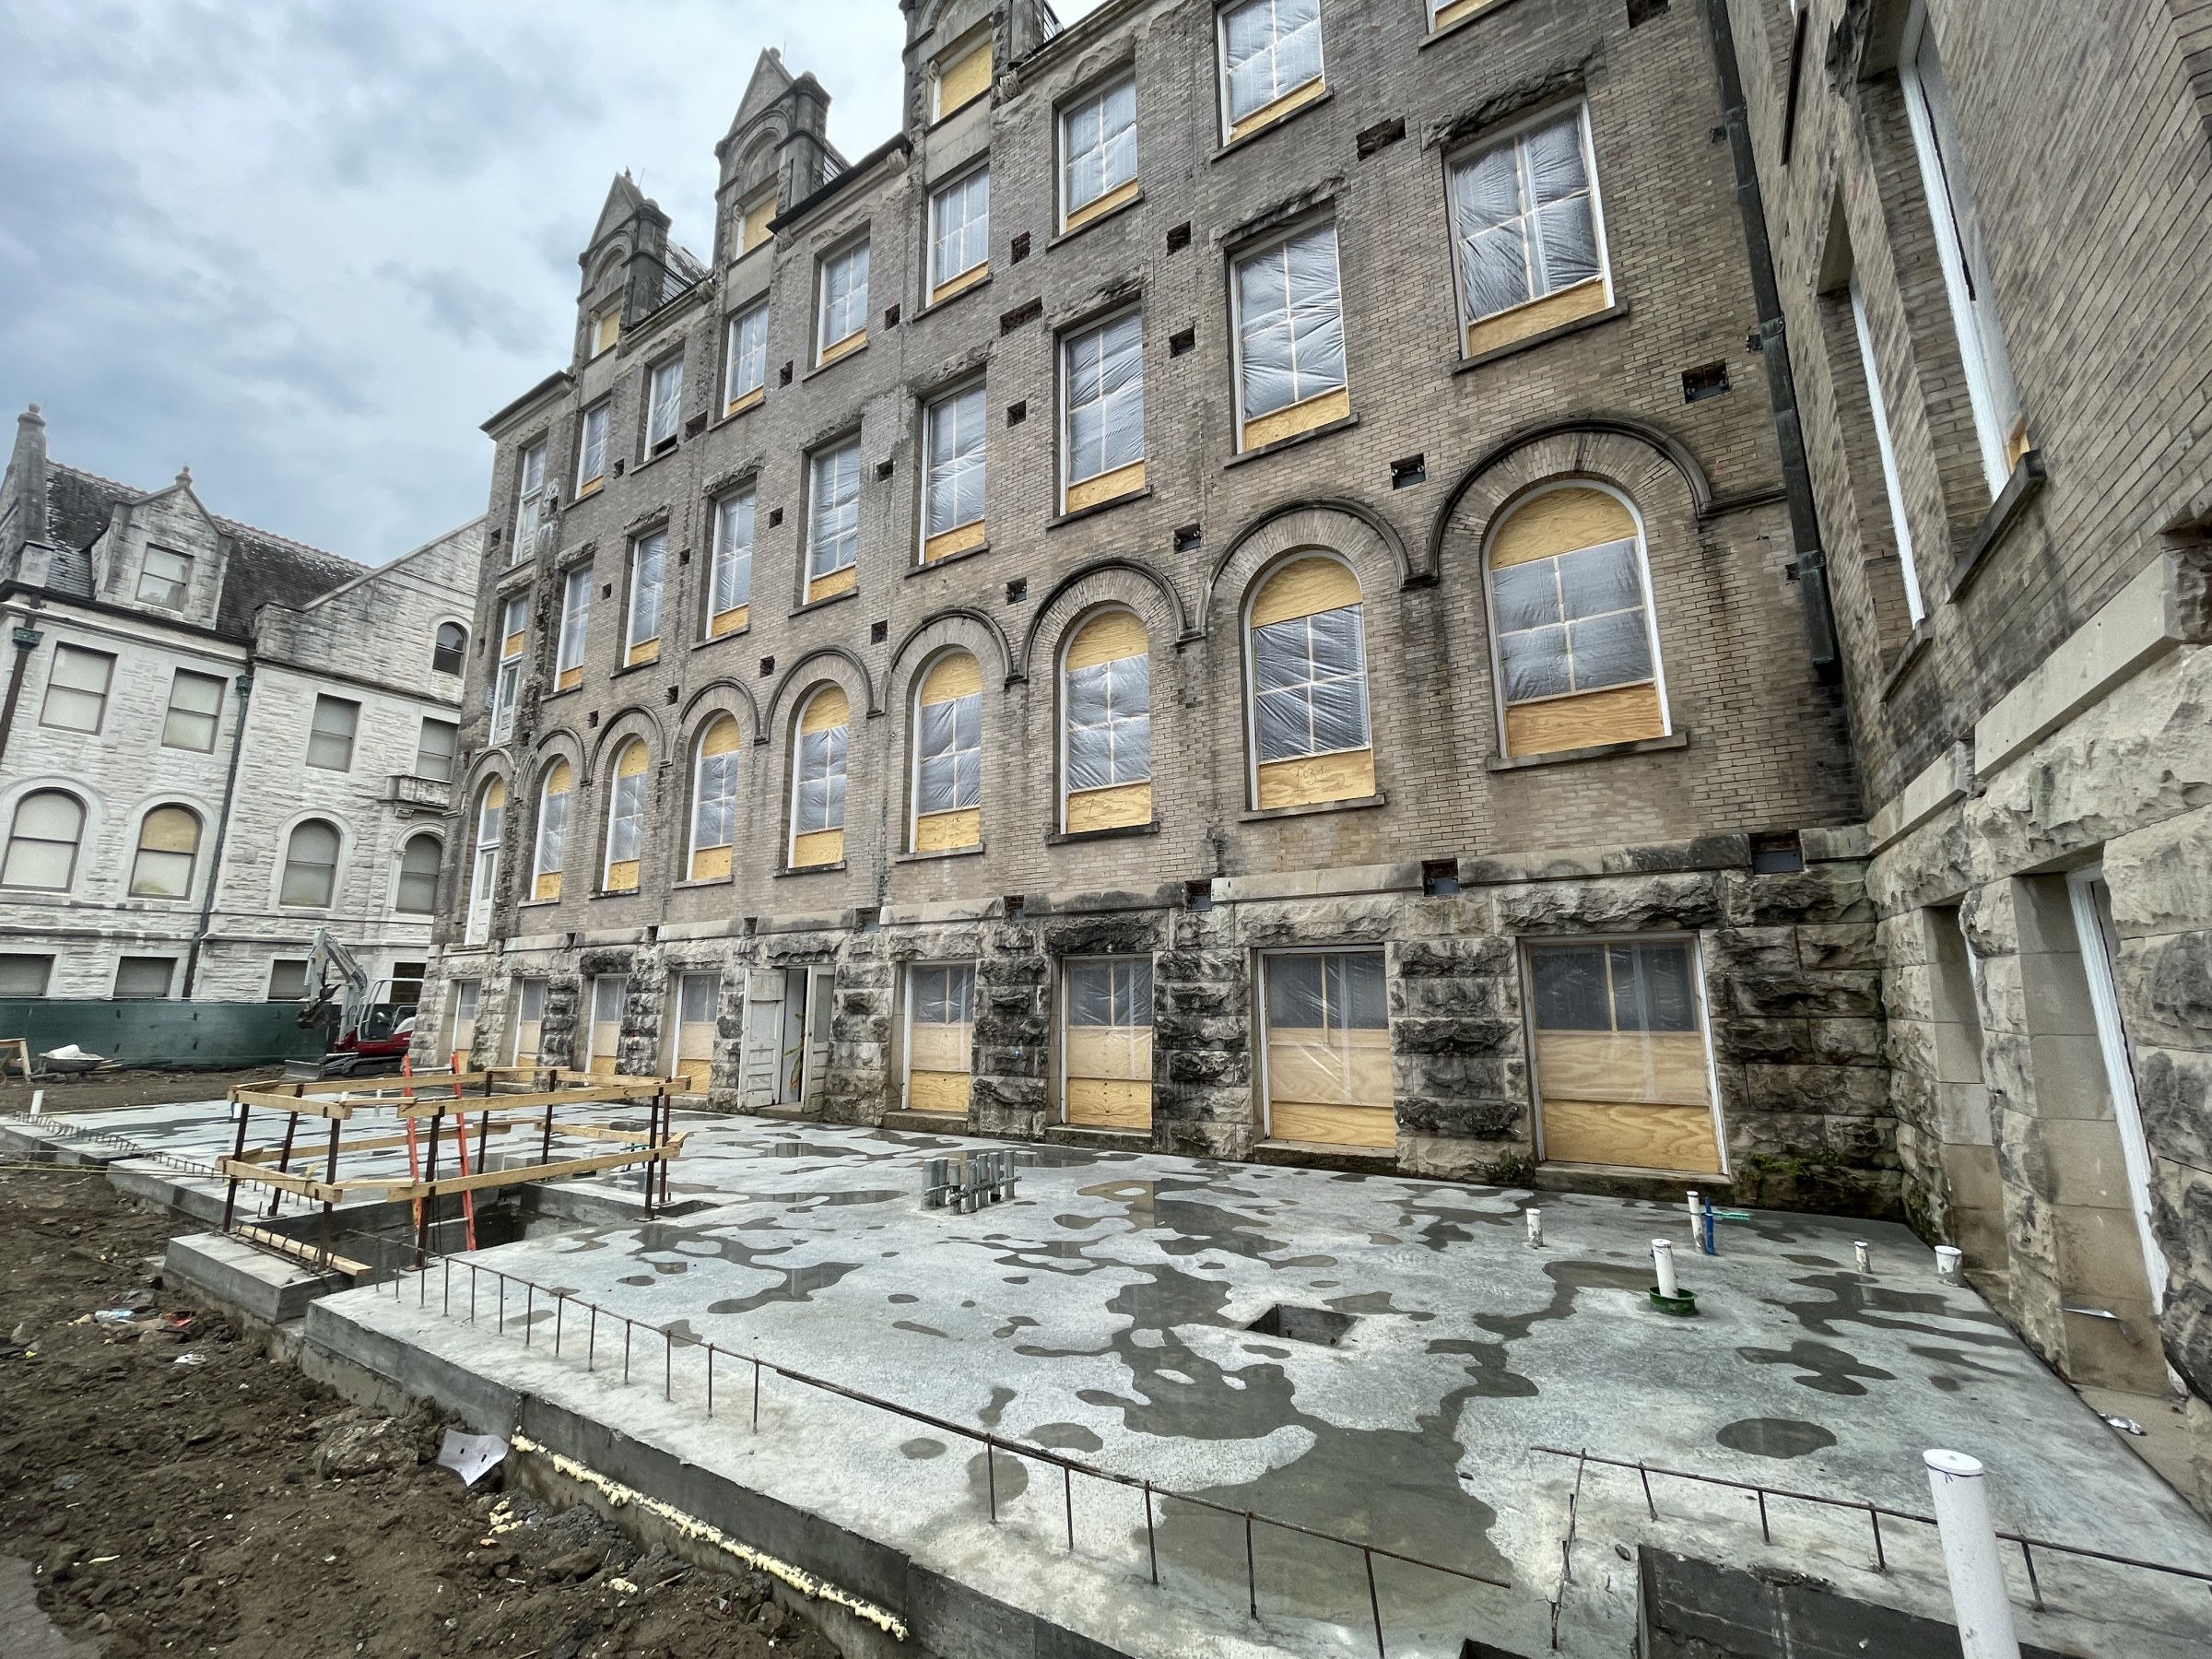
(169, 846)
(817, 791)
(450, 654)
(311, 865)
(418, 877)
(626, 818)
(714, 802)
(1106, 714)
(1576, 663)
(552, 831)
(484, 865)
(42, 842)
(948, 754)
(1310, 737)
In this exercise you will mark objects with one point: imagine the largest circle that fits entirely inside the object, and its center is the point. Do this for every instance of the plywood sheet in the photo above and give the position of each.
(940, 1048)
(948, 832)
(1116, 808)
(1278, 109)
(964, 80)
(1488, 334)
(1374, 1127)
(820, 847)
(756, 224)
(1560, 521)
(826, 709)
(851, 343)
(645, 650)
(729, 621)
(1108, 637)
(956, 540)
(954, 285)
(1102, 1104)
(569, 679)
(1305, 587)
(832, 585)
(955, 674)
(1113, 1052)
(1338, 1068)
(1654, 1067)
(937, 1091)
(1313, 779)
(738, 406)
(710, 864)
(546, 887)
(1102, 205)
(691, 1077)
(633, 760)
(1641, 1138)
(622, 876)
(1299, 417)
(1617, 714)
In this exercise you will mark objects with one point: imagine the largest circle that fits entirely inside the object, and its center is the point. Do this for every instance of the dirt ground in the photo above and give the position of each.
(178, 1491)
(134, 1087)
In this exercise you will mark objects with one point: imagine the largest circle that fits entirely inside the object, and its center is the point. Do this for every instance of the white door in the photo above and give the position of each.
(821, 987)
(2099, 945)
(763, 1036)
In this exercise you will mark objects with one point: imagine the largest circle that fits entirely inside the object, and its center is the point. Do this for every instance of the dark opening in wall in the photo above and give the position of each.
(1018, 590)
(1709, 380)
(768, 667)
(1179, 237)
(1022, 246)
(1015, 904)
(607, 590)
(1028, 313)
(1182, 340)
(1776, 852)
(1199, 895)
(883, 470)
(1017, 411)
(890, 317)
(673, 693)
(1382, 135)
(783, 375)
(868, 918)
(1440, 877)
(1186, 538)
(1413, 469)
(775, 517)
(696, 425)
(1643, 11)
(878, 632)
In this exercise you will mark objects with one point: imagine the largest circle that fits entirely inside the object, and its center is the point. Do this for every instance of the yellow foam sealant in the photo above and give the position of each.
(690, 1526)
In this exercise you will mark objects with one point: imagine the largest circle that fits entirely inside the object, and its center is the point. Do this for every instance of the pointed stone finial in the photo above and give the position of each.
(184, 477)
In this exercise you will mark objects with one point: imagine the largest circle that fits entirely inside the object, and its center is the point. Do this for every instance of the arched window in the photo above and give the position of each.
(451, 653)
(626, 818)
(948, 754)
(1310, 734)
(1576, 663)
(818, 788)
(1106, 724)
(714, 801)
(418, 877)
(310, 865)
(169, 845)
(42, 842)
(552, 831)
(484, 859)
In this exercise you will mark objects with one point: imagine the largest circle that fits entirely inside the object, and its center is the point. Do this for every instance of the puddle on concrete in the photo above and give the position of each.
(920, 1449)
(1850, 1298)
(1775, 1436)
(999, 1471)
(1831, 1371)
(1066, 1437)
(920, 1330)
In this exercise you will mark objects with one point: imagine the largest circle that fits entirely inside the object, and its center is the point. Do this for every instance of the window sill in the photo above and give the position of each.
(809, 869)
(943, 852)
(1071, 231)
(751, 401)
(2026, 483)
(536, 903)
(1482, 359)
(976, 551)
(1357, 804)
(1062, 838)
(598, 893)
(547, 697)
(824, 604)
(651, 662)
(823, 365)
(706, 881)
(1295, 439)
(1458, 24)
(1913, 649)
(935, 306)
(734, 633)
(513, 580)
(1597, 751)
(1327, 96)
(585, 492)
(1108, 505)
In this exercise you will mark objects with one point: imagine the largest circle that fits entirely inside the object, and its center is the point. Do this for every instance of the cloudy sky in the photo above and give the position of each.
(307, 246)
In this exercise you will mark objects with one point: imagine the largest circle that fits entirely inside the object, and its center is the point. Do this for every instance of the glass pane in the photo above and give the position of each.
(1295, 1001)
(1357, 999)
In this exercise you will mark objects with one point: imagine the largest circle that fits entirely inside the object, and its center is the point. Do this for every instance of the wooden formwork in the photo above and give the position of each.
(500, 1100)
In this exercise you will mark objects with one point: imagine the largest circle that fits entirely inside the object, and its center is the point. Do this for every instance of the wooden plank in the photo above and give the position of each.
(1108, 1103)
(1105, 487)
(1305, 588)
(1304, 416)
(1267, 114)
(1618, 714)
(305, 1105)
(1560, 521)
(949, 831)
(818, 848)
(264, 1239)
(940, 1048)
(1111, 1053)
(1371, 1127)
(943, 1091)
(560, 1170)
(1647, 1067)
(1502, 328)
(1099, 207)
(1676, 1138)
(958, 539)
(1345, 776)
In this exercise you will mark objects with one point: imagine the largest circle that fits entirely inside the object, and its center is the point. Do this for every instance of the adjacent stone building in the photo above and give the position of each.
(215, 743)
(1989, 247)
(1240, 584)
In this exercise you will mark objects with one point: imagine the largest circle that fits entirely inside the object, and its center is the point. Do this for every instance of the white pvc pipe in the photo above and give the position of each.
(38, 1102)
(1536, 1227)
(1969, 1557)
(1864, 1252)
(1697, 1224)
(1948, 1257)
(1662, 1258)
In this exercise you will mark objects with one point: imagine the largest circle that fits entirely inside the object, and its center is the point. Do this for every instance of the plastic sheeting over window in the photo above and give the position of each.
(626, 819)
(714, 807)
(1526, 223)
(953, 489)
(1331, 990)
(820, 799)
(748, 354)
(844, 295)
(1310, 685)
(575, 618)
(1110, 991)
(1269, 48)
(1110, 723)
(1621, 1065)
(833, 529)
(1099, 145)
(733, 578)
(959, 220)
(648, 568)
(553, 822)
(950, 768)
(1573, 623)
(1328, 1049)
(591, 448)
(665, 404)
(1290, 322)
(943, 995)
(1621, 986)
(1105, 397)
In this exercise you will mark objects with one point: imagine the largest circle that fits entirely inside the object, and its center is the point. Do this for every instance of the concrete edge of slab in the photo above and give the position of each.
(940, 1615)
(268, 1289)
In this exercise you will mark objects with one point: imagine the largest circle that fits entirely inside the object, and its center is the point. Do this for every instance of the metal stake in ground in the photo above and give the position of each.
(238, 1150)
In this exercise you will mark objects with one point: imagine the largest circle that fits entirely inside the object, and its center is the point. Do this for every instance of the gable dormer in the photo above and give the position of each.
(776, 152)
(955, 48)
(624, 267)
(162, 554)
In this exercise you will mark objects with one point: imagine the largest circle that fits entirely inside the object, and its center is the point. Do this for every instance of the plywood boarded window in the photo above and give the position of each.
(606, 328)
(948, 754)
(696, 996)
(744, 374)
(963, 76)
(626, 818)
(169, 845)
(609, 993)
(833, 521)
(729, 583)
(552, 831)
(1525, 226)
(1621, 1073)
(1311, 737)
(714, 801)
(960, 234)
(844, 303)
(1328, 1049)
(752, 222)
(1098, 153)
(1102, 379)
(1290, 372)
(1443, 13)
(575, 624)
(648, 575)
(940, 1035)
(952, 483)
(1106, 698)
(529, 1021)
(1270, 60)
(1577, 662)
(1106, 1042)
(817, 791)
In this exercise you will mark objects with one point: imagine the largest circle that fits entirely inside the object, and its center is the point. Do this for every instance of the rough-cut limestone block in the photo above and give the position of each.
(1810, 995)
(1742, 947)
(1848, 1042)
(1628, 905)
(1771, 1041)
(1468, 1117)
(1839, 944)
(1817, 894)
(2173, 1087)
(2166, 990)
(2161, 876)
(1845, 1090)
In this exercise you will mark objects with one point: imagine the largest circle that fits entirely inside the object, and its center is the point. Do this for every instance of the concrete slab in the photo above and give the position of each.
(261, 1285)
